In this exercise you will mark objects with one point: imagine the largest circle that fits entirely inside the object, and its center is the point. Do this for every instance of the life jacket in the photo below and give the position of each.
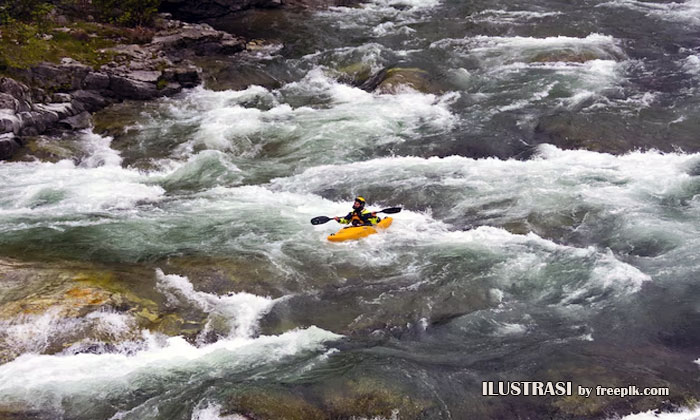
(360, 219)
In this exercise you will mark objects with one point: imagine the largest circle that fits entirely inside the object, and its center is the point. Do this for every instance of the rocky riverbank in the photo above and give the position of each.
(62, 96)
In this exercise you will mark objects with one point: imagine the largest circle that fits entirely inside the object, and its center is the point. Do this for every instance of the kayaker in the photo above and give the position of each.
(359, 216)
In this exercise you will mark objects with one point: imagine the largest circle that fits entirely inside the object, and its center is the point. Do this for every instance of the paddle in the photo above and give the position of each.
(324, 219)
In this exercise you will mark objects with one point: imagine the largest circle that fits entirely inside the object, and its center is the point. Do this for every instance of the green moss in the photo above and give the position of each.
(162, 83)
(267, 404)
(25, 45)
(369, 398)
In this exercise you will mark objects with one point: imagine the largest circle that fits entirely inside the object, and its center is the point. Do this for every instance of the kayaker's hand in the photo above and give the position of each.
(336, 218)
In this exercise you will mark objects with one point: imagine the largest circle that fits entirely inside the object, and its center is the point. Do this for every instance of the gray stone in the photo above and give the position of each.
(77, 122)
(8, 146)
(145, 76)
(127, 88)
(8, 101)
(92, 100)
(14, 88)
(9, 122)
(96, 81)
(61, 97)
(62, 110)
(188, 77)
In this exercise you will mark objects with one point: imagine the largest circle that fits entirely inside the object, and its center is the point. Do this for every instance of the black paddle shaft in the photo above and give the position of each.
(319, 220)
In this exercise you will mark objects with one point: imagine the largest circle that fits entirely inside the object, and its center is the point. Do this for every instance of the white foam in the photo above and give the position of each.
(691, 64)
(207, 410)
(510, 17)
(683, 414)
(243, 310)
(687, 12)
(46, 380)
(55, 189)
(349, 116)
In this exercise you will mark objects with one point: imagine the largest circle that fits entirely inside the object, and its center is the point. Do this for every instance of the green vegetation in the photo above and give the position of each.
(126, 12)
(24, 45)
(32, 31)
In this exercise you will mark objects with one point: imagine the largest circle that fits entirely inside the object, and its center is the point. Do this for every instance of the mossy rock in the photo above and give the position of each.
(354, 74)
(46, 150)
(399, 80)
(275, 405)
(369, 398)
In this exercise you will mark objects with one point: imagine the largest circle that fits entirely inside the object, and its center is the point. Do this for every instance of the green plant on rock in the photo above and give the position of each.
(126, 12)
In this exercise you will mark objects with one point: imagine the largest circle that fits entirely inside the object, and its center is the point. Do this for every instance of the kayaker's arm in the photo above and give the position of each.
(343, 220)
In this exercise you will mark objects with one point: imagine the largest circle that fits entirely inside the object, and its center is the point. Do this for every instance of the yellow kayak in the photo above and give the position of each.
(357, 232)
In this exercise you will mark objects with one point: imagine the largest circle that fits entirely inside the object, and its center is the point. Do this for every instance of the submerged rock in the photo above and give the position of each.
(398, 80)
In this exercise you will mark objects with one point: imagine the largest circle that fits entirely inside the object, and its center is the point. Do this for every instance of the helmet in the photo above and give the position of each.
(360, 200)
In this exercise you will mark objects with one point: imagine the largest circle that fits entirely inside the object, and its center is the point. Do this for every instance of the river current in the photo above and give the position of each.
(547, 163)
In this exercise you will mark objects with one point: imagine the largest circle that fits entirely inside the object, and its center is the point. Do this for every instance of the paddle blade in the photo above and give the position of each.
(320, 220)
(391, 210)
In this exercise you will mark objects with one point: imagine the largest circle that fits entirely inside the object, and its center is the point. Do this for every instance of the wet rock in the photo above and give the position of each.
(267, 404)
(397, 80)
(45, 149)
(8, 145)
(615, 133)
(355, 74)
(367, 398)
(77, 122)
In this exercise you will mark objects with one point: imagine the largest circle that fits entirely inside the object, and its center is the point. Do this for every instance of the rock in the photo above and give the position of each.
(145, 76)
(170, 89)
(132, 89)
(91, 100)
(8, 145)
(397, 80)
(61, 78)
(62, 110)
(77, 122)
(9, 122)
(96, 81)
(36, 122)
(188, 77)
(61, 97)
(197, 39)
(8, 101)
(15, 89)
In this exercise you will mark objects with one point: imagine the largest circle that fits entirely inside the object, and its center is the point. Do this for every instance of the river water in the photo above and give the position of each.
(549, 172)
